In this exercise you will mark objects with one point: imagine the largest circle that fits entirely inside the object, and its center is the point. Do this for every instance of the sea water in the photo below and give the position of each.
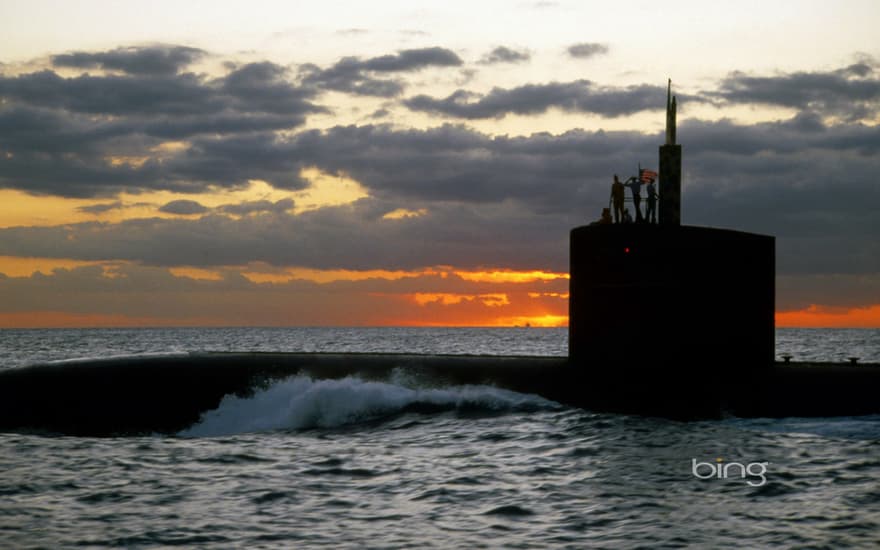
(389, 464)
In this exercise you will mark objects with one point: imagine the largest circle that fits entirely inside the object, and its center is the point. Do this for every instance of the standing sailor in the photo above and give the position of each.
(617, 192)
(635, 186)
(651, 209)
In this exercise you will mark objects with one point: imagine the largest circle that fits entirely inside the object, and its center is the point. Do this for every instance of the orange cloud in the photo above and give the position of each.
(403, 213)
(509, 276)
(196, 273)
(562, 295)
(14, 266)
(259, 272)
(446, 299)
(816, 316)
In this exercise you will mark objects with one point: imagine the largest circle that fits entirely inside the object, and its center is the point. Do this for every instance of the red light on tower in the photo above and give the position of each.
(626, 250)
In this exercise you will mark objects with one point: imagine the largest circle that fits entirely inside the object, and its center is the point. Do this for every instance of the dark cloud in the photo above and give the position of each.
(511, 201)
(502, 54)
(158, 60)
(836, 290)
(64, 136)
(234, 160)
(356, 76)
(329, 238)
(183, 207)
(488, 201)
(263, 88)
(532, 99)
(861, 69)
(255, 88)
(256, 207)
(852, 92)
(415, 59)
(348, 75)
(586, 50)
(116, 95)
(101, 207)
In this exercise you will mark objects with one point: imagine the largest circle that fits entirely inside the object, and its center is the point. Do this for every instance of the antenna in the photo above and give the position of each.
(670, 168)
(670, 115)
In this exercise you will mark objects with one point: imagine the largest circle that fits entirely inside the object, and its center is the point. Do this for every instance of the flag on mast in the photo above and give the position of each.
(647, 176)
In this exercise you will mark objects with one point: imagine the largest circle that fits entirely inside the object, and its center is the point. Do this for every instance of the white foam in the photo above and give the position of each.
(301, 402)
(93, 358)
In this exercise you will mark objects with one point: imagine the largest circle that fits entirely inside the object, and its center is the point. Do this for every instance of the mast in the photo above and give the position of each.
(670, 168)
(670, 115)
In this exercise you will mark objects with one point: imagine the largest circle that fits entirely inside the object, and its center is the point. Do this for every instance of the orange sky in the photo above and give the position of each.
(260, 295)
(824, 317)
(125, 294)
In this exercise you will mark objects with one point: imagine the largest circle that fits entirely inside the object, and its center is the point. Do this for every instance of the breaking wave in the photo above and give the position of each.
(301, 403)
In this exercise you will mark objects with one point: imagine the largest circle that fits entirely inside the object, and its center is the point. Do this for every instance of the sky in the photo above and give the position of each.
(399, 163)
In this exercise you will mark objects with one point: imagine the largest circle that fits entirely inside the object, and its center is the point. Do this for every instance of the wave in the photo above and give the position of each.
(301, 403)
(85, 359)
(845, 427)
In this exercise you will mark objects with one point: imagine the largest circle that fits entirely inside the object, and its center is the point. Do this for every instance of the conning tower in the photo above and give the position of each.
(667, 318)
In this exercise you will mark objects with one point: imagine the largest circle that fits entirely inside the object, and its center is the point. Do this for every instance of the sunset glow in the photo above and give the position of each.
(817, 316)
(509, 276)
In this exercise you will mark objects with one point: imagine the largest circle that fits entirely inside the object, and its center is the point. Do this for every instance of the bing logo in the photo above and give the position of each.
(726, 470)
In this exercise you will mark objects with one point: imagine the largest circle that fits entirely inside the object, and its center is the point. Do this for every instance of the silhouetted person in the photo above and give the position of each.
(635, 186)
(605, 219)
(626, 217)
(617, 199)
(651, 208)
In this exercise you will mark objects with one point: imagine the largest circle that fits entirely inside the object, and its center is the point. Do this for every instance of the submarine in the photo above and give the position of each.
(664, 320)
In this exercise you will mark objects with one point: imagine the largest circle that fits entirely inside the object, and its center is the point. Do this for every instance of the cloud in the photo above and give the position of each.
(66, 136)
(101, 207)
(348, 75)
(356, 76)
(483, 200)
(252, 88)
(502, 54)
(852, 92)
(255, 207)
(838, 290)
(183, 207)
(183, 94)
(414, 59)
(533, 99)
(586, 50)
(157, 60)
(263, 88)
(505, 201)
(330, 238)
(352, 31)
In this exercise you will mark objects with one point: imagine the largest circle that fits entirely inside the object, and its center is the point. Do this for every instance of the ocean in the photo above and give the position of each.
(310, 463)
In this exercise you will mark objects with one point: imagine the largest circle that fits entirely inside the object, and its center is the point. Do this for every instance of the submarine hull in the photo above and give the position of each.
(166, 394)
